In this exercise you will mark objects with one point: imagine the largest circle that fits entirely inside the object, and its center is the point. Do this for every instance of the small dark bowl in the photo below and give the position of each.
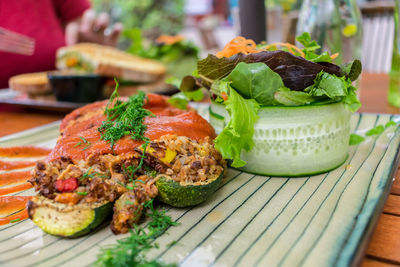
(76, 87)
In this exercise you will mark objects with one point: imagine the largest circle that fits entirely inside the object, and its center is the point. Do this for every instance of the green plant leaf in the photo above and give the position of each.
(288, 97)
(377, 130)
(305, 40)
(390, 124)
(181, 99)
(296, 73)
(353, 69)
(238, 134)
(256, 81)
(356, 139)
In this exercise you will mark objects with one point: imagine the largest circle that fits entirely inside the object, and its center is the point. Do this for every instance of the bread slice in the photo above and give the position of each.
(30, 83)
(109, 61)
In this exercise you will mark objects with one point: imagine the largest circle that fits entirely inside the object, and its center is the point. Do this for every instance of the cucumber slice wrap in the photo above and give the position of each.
(294, 141)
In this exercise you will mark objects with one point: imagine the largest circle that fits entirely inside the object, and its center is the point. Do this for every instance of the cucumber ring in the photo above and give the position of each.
(294, 141)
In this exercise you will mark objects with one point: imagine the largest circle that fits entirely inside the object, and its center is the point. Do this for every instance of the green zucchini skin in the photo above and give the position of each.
(294, 141)
(173, 193)
(64, 220)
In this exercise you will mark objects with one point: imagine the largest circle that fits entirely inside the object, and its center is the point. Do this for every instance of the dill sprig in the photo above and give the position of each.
(91, 174)
(129, 251)
(85, 142)
(124, 118)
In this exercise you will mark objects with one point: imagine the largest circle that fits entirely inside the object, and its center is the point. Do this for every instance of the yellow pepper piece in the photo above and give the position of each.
(169, 156)
(150, 150)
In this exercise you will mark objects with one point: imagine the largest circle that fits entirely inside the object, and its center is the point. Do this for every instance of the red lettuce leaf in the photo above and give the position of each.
(297, 73)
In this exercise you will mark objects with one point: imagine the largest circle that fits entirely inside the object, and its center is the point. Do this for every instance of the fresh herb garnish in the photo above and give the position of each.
(124, 118)
(82, 193)
(390, 124)
(91, 174)
(377, 130)
(15, 220)
(84, 142)
(129, 251)
(87, 174)
(356, 139)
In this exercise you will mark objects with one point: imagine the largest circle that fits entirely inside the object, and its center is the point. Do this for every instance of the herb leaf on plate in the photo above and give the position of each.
(377, 130)
(356, 139)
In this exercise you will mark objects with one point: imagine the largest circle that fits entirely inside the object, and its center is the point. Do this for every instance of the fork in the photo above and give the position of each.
(17, 43)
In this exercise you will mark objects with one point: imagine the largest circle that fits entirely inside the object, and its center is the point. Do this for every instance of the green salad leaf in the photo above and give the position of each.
(181, 99)
(255, 81)
(328, 85)
(352, 69)
(238, 134)
(335, 88)
(287, 97)
(351, 100)
(310, 46)
(297, 73)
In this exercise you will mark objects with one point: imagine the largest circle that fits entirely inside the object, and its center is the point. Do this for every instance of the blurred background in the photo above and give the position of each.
(210, 24)
(177, 33)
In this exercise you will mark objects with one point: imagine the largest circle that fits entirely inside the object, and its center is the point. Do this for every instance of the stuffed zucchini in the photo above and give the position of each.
(186, 194)
(65, 220)
(91, 173)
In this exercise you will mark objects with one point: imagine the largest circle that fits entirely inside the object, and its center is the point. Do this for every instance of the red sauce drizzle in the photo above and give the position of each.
(12, 165)
(13, 204)
(23, 151)
(14, 177)
(17, 188)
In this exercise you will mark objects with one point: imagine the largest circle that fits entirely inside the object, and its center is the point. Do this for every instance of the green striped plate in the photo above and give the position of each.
(323, 220)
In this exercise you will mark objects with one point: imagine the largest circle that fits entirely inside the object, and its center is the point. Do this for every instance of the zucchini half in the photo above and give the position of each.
(65, 220)
(183, 195)
(294, 141)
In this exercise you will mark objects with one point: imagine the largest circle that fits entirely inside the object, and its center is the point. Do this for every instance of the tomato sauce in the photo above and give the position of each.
(16, 217)
(12, 165)
(13, 189)
(23, 151)
(14, 177)
(84, 122)
(13, 204)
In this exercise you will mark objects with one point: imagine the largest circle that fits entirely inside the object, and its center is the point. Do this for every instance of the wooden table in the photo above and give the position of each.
(384, 248)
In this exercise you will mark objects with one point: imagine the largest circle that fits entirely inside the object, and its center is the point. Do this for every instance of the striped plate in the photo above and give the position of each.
(251, 220)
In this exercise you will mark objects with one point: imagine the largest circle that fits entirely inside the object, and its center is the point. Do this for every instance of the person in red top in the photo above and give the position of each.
(52, 24)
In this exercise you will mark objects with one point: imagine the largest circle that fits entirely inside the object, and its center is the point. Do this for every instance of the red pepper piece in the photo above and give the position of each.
(67, 185)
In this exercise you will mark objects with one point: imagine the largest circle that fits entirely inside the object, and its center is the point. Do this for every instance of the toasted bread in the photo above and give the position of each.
(109, 61)
(30, 83)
